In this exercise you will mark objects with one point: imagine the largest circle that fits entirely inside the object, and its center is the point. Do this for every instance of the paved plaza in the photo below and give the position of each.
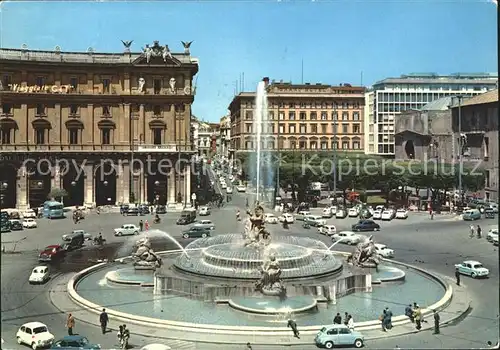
(434, 245)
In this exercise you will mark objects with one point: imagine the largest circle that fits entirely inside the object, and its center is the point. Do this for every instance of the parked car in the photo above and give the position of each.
(327, 212)
(229, 190)
(270, 218)
(134, 211)
(16, 225)
(196, 232)
(34, 334)
(328, 230)
(39, 274)
(471, 215)
(161, 209)
(377, 214)
(315, 220)
(52, 253)
(366, 225)
(490, 237)
(71, 342)
(401, 214)
(338, 334)
(472, 268)
(287, 217)
(301, 215)
(29, 223)
(241, 188)
(187, 217)
(388, 215)
(341, 214)
(29, 213)
(347, 237)
(204, 211)
(209, 225)
(127, 229)
(384, 251)
(353, 212)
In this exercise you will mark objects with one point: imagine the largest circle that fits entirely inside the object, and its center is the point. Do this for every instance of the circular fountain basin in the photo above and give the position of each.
(273, 306)
(130, 276)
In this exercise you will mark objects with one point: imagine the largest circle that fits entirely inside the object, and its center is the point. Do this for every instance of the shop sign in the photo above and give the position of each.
(52, 89)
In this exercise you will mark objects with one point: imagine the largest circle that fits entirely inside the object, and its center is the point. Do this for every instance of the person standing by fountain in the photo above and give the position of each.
(103, 320)
(350, 322)
(337, 319)
(141, 225)
(70, 324)
(146, 225)
(346, 318)
(436, 322)
(293, 325)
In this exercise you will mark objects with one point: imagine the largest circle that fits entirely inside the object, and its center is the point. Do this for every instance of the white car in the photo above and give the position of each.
(241, 188)
(287, 217)
(492, 234)
(34, 334)
(341, 214)
(270, 219)
(302, 214)
(229, 190)
(204, 211)
(353, 212)
(29, 223)
(328, 230)
(387, 215)
(327, 212)
(347, 237)
(29, 213)
(205, 224)
(384, 251)
(127, 229)
(401, 214)
(40, 274)
(472, 268)
(316, 220)
(377, 214)
(223, 185)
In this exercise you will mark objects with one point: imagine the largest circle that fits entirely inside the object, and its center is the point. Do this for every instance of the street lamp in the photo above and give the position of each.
(105, 183)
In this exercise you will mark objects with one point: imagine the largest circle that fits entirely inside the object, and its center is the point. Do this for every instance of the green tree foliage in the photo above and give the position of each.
(58, 193)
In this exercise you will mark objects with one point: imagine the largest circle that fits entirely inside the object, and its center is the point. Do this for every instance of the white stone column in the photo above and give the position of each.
(171, 188)
(124, 183)
(142, 193)
(187, 184)
(21, 189)
(88, 189)
(55, 180)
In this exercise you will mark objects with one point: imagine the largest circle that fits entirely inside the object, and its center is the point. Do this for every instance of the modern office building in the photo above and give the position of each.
(392, 96)
(301, 116)
(100, 113)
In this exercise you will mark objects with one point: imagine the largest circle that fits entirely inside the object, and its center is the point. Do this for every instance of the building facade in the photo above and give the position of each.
(413, 91)
(435, 133)
(225, 137)
(106, 127)
(306, 117)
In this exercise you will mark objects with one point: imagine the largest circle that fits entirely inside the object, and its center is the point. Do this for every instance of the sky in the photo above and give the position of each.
(341, 41)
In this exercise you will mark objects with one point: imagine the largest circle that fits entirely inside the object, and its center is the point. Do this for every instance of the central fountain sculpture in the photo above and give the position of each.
(365, 254)
(145, 257)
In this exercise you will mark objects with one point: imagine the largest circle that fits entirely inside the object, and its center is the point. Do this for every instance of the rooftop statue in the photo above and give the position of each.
(255, 233)
(166, 53)
(186, 46)
(145, 256)
(365, 254)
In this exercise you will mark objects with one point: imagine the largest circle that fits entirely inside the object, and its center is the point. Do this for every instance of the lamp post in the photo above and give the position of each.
(335, 116)
(278, 164)
(461, 149)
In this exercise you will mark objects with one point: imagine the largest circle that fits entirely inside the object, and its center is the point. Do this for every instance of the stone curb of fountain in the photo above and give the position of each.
(248, 333)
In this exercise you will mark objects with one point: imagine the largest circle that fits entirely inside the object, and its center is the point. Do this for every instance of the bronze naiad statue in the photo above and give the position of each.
(365, 254)
(270, 282)
(145, 256)
(255, 232)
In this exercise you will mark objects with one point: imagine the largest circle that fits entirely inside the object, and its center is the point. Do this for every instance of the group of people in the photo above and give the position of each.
(414, 313)
(475, 231)
(348, 320)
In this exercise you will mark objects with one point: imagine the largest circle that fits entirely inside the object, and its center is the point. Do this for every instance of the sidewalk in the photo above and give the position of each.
(458, 307)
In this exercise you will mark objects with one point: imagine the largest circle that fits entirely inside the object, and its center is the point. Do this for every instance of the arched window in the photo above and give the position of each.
(356, 143)
(8, 129)
(107, 127)
(75, 128)
(42, 128)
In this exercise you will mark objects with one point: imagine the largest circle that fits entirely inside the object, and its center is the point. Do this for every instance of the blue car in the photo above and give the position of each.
(72, 342)
(338, 335)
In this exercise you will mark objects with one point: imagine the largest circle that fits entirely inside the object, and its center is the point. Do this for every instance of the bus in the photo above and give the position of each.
(53, 210)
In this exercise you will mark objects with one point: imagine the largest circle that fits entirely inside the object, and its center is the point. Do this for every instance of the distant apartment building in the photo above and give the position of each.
(225, 136)
(391, 96)
(301, 116)
(205, 136)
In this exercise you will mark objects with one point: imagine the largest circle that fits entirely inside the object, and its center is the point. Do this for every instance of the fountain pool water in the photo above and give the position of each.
(130, 243)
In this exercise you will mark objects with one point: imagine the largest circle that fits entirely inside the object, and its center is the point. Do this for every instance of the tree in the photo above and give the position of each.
(57, 193)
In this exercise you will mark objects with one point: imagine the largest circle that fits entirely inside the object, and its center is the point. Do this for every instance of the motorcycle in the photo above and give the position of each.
(96, 241)
(156, 220)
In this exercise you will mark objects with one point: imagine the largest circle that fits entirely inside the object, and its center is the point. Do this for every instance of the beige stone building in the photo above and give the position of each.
(306, 117)
(99, 113)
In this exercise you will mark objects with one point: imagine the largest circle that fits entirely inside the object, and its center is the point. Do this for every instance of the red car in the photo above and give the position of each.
(52, 253)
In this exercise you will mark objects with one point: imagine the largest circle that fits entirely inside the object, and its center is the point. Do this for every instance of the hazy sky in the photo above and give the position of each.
(337, 40)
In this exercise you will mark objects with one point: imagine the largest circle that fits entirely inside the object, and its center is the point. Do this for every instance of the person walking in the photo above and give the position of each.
(479, 231)
(146, 225)
(141, 225)
(409, 313)
(346, 318)
(457, 276)
(337, 319)
(472, 231)
(249, 346)
(383, 320)
(436, 322)
(103, 320)
(417, 315)
(70, 324)
(389, 318)
(350, 322)
(293, 325)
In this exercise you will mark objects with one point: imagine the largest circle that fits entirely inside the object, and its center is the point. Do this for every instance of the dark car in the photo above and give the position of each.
(196, 232)
(132, 212)
(144, 209)
(5, 226)
(52, 253)
(366, 225)
(187, 217)
(15, 225)
(161, 209)
(74, 342)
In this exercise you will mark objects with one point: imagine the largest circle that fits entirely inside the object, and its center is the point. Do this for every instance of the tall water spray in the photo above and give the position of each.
(263, 173)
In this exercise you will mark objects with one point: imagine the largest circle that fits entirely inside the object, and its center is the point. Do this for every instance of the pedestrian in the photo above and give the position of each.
(249, 346)
(141, 225)
(417, 315)
(383, 320)
(350, 322)
(146, 225)
(457, 276)
(337, 319)
(472, 231)
(389, 318)
(293, 325)
(70, 324)
(346, 318)
(436, 322)
(409, 313)
(479, 231)
(103, 320)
